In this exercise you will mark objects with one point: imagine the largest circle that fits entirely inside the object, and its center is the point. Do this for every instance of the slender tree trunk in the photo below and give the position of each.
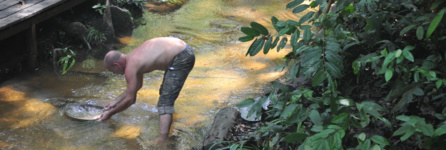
(108, 23)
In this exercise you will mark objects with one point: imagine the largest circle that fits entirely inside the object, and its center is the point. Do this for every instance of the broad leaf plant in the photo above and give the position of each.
(343, 47)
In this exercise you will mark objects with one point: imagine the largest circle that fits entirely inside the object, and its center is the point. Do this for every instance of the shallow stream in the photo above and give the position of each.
(31, 105)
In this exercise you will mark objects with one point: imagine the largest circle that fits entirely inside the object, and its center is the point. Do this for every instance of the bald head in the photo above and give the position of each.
(112, 57)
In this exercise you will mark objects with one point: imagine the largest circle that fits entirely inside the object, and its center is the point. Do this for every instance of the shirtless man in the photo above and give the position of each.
(170, 54)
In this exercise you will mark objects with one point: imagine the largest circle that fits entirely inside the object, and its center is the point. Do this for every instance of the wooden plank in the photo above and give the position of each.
(27, 13)
(8, 3)
(17, 8)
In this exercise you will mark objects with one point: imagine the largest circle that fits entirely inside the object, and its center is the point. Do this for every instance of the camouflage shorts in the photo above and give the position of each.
(174, 78)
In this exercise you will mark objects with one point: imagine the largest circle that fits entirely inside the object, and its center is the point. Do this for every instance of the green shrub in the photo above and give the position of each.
(392, 49)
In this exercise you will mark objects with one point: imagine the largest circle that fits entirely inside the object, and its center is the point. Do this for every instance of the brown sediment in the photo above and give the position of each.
(163, 7)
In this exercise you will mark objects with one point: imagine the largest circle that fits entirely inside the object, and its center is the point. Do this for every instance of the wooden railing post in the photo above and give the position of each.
(31, 47)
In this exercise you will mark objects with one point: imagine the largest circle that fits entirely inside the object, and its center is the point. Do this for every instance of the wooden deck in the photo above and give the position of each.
(23, 15)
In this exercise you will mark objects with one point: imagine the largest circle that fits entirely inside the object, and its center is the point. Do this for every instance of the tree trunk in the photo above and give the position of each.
(108, 23)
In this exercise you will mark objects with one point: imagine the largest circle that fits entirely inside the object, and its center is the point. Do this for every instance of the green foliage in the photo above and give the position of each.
(121, 2)
(95, 35)
(397, 46)
(233, 146)
(139, 3)
(99, 8)
(67, 61)
(412, 125)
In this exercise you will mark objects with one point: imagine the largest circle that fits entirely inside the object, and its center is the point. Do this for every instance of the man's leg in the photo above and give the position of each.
(165, 123)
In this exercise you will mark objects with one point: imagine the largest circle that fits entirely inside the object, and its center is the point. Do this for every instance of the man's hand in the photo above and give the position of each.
(105, 116)
(112, 104)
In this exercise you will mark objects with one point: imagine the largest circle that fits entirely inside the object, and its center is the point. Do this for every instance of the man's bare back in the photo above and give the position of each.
(155, 54)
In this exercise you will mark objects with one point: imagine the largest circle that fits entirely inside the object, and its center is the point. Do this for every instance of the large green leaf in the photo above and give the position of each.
(340, 5)
(287, 112)
(408, 133)
(294, 70)
(388, 75)
(283, 31)
(339, 118)
(295, 137)
(301, 49)
(281, 23)
(255, 109)
(407, 29)
(306, 17)
(300, 8)
(333, 57)
(278, 85)
(294, 38)
(260, 28)
(337, 140)
(420, 33)
(319, 77)
(372, 108)
(309, 70)
(401, 130)
(440, 131)
(246, 102)
(294, 3)
(315, 117)
(333, 69)
(282, 43)
(435, 22)
(274, 44)
(380, 140)
(255, 47)
(274, 21)
(408, 55)
(258, 47)
(249, 31)
(427, 129)
(436, 4)
(246, 38)
(311, 56)
(267, 45)
(307, 35)
(366, 145)
(299, 116)
(334, 46)
(292, 23)
(389, 58)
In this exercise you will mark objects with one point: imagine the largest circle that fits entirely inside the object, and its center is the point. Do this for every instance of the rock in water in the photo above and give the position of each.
(78, 30)
(122, 21)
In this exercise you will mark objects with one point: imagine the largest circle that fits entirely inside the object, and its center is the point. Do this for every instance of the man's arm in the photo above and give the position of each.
(134, 83)
(116, 101)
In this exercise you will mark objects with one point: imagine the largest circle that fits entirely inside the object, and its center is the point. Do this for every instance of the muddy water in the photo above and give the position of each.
(31, 115)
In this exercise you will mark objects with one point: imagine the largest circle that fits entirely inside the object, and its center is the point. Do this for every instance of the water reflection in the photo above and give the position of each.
(30, 106)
